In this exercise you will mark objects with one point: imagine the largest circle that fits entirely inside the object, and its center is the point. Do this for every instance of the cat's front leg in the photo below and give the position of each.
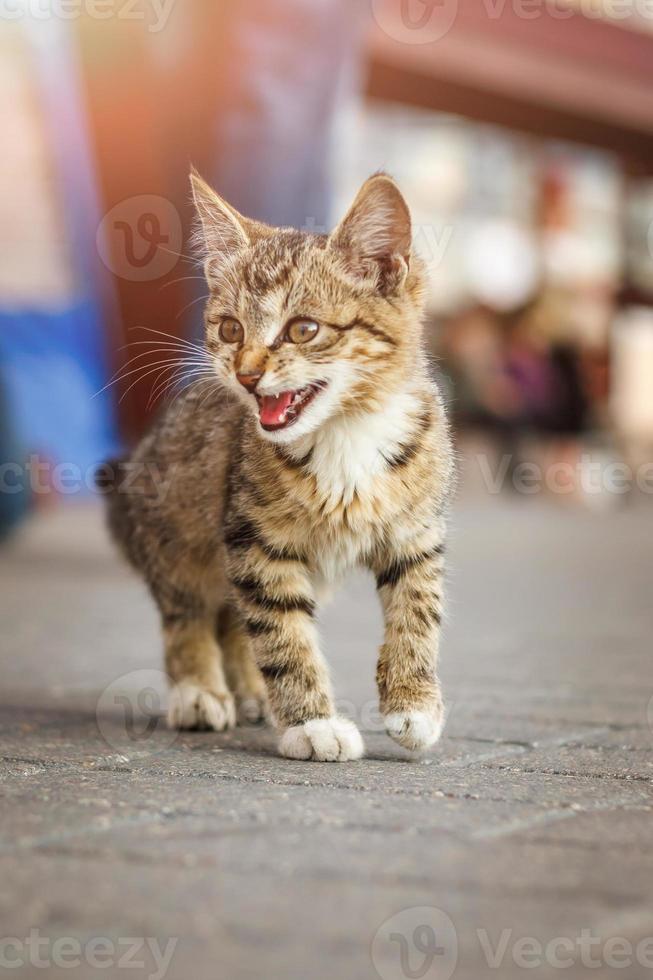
(272, 589)
(409, 581)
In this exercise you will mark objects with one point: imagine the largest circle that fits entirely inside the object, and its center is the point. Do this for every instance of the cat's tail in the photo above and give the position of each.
(109, 474)
(110, 483)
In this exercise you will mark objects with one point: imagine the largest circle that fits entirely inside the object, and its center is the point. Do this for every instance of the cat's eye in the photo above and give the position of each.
(231, 331)
(300, 331)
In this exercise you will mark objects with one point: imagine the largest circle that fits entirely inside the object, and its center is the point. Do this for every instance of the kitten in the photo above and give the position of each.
(324, 447)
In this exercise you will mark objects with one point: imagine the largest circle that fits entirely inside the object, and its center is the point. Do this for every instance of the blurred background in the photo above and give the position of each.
(521, 133)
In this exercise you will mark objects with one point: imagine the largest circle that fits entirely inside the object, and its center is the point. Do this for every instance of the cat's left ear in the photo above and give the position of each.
(222, 230)
(376, 233)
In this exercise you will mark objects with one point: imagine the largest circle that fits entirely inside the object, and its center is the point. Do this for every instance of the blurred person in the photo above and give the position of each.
(556, 406)
(285, 65)
(483, 395)
(516, 379)
(484, 400)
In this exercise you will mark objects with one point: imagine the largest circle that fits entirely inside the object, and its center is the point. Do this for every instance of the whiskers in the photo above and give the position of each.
(178, 363)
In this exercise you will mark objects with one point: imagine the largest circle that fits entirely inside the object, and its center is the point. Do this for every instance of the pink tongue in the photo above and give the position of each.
(273, 407)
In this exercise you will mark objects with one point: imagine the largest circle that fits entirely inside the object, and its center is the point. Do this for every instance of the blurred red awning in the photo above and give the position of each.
(526, 64)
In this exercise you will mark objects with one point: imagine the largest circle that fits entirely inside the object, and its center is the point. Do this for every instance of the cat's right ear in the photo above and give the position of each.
(222, 231)
(376, 234)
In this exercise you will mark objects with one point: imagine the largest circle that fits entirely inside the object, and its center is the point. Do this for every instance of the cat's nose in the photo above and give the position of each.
(250, 381)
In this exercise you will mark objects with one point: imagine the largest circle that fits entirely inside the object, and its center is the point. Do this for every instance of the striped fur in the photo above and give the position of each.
(255, 525)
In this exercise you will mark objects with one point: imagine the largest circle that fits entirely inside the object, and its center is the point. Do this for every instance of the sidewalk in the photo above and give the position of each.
(532, 818)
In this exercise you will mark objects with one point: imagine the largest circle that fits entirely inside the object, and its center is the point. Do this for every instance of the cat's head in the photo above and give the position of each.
(304, 327)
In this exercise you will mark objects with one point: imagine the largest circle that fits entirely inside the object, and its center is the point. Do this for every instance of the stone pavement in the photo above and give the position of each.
(520, 847)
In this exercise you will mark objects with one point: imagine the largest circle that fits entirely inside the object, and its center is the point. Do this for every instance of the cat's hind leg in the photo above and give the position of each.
(199, 694)
(243, 676)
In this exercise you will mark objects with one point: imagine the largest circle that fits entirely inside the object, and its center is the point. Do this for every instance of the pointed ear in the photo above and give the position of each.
(376, 233)
(222, 230)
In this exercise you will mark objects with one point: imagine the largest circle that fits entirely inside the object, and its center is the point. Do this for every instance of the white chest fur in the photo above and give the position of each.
(349, 453)
(348, 460)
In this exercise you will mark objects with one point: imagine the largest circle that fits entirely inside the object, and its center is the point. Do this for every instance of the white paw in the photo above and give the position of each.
(415, 730)
(192, 706)
(324, 740)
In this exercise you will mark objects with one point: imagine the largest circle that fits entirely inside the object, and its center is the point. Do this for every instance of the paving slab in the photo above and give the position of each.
(525, 834)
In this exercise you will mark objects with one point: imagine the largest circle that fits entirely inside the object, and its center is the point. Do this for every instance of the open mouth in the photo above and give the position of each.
(280, 411)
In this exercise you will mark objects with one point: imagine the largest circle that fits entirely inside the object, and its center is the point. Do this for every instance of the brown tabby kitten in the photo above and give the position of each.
(324, 447)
